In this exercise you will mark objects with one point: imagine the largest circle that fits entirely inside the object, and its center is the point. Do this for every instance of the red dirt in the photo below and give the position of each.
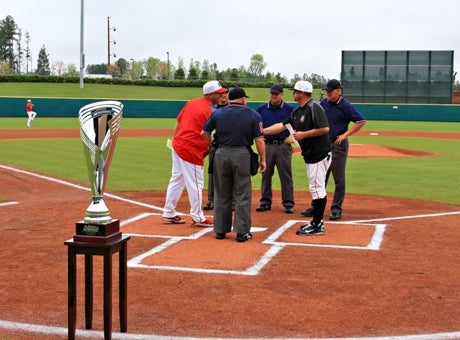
(335, 285)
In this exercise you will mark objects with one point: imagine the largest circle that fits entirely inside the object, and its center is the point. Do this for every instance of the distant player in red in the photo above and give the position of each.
(30, 112)
(189, 149)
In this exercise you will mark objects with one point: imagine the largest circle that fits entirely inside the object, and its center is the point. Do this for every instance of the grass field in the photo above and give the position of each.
(145, 163)
(34, 90)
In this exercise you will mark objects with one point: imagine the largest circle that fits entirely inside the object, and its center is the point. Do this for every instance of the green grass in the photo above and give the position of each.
(145, 163)
(46, 90)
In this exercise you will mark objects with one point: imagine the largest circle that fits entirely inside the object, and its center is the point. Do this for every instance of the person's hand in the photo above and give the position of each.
(298, 135)
(340, 139)
(288, 140)
(262, 167)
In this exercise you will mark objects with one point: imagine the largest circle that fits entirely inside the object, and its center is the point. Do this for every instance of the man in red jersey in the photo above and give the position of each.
(30, 112)
(189, 149)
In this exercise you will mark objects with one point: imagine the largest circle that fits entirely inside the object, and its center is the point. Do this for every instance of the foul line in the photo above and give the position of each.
(80, 333)
(7, 203)
(80, 187)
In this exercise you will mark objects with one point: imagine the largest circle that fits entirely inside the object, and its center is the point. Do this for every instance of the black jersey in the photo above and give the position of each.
(307, 117)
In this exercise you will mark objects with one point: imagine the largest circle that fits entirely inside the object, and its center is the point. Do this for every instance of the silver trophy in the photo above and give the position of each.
(99, 127)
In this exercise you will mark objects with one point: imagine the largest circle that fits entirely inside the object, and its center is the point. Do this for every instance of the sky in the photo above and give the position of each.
(294, 36)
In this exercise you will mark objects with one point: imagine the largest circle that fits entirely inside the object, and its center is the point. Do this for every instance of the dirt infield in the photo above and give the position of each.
(389, 268)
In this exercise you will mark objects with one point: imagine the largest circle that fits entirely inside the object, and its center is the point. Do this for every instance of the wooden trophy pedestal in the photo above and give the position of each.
(97, 233)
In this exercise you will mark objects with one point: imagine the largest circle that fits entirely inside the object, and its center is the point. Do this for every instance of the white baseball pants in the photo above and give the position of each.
(185, 175)
(317, 177)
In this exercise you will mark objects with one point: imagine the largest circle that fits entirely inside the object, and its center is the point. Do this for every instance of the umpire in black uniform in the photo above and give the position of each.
(237, 126)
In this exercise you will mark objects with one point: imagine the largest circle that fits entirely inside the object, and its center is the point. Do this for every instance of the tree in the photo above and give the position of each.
(96, 69)
(257, 65)
(151, 66)
(214, 71)
(162, 70)
(59, 68)
(205, 72)
(243, 73)
(233, 74)
(280, 78)
(9, 39)
(19, 52)
(316, 80)
(28, 53)
(180, 72)
(72, 70)
(43, 63)
(123, 65)
(193, 70)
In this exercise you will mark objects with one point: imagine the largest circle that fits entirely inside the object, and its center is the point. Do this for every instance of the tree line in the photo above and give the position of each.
(16, 58)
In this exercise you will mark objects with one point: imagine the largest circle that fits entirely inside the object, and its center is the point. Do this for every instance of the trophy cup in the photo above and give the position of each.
(99, 126)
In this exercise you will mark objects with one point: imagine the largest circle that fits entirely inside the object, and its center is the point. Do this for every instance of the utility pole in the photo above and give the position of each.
(82, 55)
(109, 28)
(169, 73)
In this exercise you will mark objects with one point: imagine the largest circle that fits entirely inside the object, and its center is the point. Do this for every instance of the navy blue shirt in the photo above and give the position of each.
(235, 125)
(340, 114)
(272, 114)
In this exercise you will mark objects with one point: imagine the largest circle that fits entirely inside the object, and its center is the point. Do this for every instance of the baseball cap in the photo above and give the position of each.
(237, 93)
(213, 86)
(332, 85)
(303, 86)
(28, 100)
(276, 89)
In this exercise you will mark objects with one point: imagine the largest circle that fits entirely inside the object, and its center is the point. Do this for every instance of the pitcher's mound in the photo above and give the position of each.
(377, 151)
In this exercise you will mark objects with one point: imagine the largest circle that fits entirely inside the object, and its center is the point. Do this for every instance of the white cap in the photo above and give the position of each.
(213, 86)
(304, 86)
(28, 100)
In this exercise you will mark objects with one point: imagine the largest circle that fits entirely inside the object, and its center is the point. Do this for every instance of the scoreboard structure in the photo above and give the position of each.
(419, 77)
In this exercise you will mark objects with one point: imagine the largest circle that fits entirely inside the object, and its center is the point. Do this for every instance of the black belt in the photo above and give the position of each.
(275, 142)
(231, 146)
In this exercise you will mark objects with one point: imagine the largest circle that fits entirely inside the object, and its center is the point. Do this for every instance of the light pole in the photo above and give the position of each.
(167, 56)
(82, 55)
(109, 28)
(132, 69)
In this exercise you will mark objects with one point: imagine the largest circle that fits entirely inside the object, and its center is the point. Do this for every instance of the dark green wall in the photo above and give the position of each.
(411, 112)
(47, 107)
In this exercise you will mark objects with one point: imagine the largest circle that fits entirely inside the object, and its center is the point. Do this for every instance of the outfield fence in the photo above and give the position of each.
(63, 107)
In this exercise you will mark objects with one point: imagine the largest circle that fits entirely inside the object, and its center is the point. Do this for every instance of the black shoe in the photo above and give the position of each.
(311, 229)
(243, 237)
(208, 206)
(308, 212)
(264, 207)
(220, 236)
(335, 216)
(289, 210)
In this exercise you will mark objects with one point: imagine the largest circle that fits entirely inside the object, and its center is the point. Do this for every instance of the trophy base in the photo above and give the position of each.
(97, 233)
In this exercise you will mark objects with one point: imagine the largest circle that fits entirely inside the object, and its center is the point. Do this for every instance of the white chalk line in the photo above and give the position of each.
(80, 333)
